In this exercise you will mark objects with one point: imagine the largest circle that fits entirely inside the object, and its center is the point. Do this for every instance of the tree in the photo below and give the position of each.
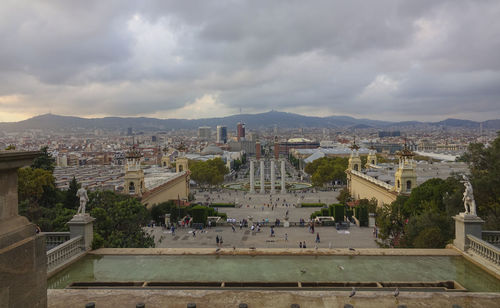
(33, 187)
(484, 164)
(45, 161)
(407, 221)
(71, 201)
(326, 170)
(210, 172)
(119, 221)
(344, 196)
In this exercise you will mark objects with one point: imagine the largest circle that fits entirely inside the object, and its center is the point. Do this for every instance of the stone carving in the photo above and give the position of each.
(82, 194)
(468, 199)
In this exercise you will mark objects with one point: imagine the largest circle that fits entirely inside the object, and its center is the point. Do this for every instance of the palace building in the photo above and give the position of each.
(155, 184)
(385, 182)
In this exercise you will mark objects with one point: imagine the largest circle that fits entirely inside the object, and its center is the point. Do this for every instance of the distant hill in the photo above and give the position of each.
(261, 120)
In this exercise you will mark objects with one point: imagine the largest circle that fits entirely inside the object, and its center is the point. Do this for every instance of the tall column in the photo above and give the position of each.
(273, 176)
(283, 175)
(262, 171)
(252, 179)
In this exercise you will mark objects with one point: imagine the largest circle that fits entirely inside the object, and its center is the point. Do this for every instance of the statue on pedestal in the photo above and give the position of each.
(82, 194)
(468, 199)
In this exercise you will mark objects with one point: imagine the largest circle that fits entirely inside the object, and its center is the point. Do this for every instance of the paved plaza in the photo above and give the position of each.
(261, 207)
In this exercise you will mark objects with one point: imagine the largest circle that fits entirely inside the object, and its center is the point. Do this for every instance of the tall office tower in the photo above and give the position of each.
(204, 132)
(240, 130)
(221, 134)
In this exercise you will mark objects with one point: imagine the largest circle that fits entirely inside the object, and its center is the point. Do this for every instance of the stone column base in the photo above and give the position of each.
(82, 225)
(466, 224)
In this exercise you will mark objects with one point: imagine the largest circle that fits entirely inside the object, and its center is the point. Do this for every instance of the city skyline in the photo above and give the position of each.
(390, 61)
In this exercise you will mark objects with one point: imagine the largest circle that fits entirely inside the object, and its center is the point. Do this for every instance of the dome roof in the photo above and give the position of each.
(212, 150)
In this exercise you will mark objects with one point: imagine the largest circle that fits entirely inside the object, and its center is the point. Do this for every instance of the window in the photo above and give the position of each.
(356, 167)
(408, 185)
(131, 188)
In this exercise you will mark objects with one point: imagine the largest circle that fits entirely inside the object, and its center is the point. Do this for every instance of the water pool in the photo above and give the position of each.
(276, 269)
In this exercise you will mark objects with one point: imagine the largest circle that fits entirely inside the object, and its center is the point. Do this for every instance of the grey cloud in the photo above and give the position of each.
(81, 56)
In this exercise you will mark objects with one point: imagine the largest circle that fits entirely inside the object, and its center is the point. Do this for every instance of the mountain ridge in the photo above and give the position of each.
(260, 120)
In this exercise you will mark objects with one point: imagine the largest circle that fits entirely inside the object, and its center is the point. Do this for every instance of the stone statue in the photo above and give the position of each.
(468, 199)
(82, 194)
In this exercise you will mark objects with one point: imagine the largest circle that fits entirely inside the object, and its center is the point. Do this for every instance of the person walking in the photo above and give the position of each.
(300, 244)
(217, 240)
(286, 237)
(317, 237)
(304, 245)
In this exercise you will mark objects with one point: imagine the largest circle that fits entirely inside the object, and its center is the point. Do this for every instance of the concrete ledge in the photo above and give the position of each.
(66, 264)
(277, 251)
(210, 298)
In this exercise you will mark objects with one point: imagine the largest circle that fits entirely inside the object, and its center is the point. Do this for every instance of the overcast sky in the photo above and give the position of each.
(387, 59)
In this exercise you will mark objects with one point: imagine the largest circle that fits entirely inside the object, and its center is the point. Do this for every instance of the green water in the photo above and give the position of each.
(277, 268)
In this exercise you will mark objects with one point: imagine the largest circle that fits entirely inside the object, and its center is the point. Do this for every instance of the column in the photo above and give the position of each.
(82, 225)
(273, 176)
(283, 175)
(262, 170)
(252, 179)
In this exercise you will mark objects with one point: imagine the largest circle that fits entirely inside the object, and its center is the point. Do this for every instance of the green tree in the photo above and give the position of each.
(33, 185)
(325, 170)
(71, 201)
(119, 221)
(344, 196)
(484, 164)
(44, 161)
(208, 173)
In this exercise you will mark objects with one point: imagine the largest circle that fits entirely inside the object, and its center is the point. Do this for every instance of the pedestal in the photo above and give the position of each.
(23, 257)
(82, 225)
(466, 224)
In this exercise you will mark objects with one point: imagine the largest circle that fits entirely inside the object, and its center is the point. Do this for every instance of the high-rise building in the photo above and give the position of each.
(221, 134)
(204, 132)
(240, 131)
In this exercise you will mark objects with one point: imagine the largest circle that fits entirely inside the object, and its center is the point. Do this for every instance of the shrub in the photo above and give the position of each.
(222, 205)
(325, 212)
(337, 211)
(362, 215)
(312, 204)
(315, 214)
(199, 214)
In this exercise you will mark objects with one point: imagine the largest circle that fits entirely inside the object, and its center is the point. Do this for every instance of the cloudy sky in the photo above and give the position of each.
(384, 59)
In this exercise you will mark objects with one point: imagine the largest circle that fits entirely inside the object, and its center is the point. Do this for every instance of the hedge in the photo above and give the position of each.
(312, 204)
(361, 214)
(325, 212)
(316, 214)
(222, 205)
(337, 211)
(199, 214)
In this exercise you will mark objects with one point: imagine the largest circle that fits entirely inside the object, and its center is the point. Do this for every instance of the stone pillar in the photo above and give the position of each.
(23, 258)
(466, 224)
(273, 176)
(262, 172)
(252, 177)
(82, 225)
(283, 175)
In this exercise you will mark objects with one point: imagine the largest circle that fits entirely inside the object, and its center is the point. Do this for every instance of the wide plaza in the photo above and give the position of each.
(259, 208)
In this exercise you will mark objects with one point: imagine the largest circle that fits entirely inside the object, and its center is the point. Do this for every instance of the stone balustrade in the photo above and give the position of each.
(484, 249)
(59, 255)
(372, 179)
(53, 239)
(492, 237)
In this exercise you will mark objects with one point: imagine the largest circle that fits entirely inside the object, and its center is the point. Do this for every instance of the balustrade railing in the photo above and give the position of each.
(492, 237)
(53, 239)
(60, 254)
(484, 249)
